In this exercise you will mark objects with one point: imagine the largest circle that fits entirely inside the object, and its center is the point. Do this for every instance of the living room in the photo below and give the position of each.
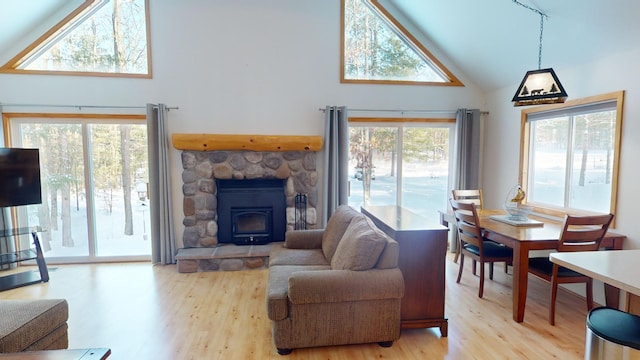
(266, 68)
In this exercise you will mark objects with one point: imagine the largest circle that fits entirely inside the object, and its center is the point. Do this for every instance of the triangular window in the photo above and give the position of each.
(99, 37)
(376, 48)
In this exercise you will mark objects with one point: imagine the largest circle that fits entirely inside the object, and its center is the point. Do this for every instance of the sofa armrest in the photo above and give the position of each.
(303, 239)
(326, 286)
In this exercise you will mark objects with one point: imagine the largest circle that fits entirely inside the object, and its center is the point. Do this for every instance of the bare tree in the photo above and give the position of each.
(125, 137)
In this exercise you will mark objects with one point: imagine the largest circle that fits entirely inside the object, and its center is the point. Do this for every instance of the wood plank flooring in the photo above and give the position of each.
(142, 312)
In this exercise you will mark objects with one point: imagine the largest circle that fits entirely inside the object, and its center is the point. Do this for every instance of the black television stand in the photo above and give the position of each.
(19, 279)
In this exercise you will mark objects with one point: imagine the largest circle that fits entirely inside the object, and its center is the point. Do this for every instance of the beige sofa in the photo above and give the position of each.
(334, 286)
(29, 325)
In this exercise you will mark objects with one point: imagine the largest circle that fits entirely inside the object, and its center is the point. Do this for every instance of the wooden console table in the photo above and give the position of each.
(423, 246)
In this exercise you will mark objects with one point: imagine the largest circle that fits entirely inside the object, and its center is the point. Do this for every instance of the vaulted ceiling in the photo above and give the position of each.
(492, 42)
(21, 18)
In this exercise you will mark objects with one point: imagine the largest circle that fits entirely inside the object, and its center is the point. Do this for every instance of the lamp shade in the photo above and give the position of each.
(539, 87)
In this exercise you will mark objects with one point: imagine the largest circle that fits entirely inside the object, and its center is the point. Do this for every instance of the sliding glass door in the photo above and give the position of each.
(94, 185)
(395, 163)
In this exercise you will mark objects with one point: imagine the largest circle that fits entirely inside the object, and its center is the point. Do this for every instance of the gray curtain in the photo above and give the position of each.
(4, 212)
(468, 149)
(336, 157)
(163, 245)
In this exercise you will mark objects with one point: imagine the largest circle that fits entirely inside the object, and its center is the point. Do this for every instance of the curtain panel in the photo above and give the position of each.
(336, 157)
(467, 168)
(163, 245)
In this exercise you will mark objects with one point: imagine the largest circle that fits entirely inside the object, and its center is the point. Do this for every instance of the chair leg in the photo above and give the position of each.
(460, 268)
(481, 289)
(552, 304)
(473, 270)
(457, 252)
(491, 271)
(554, 293)
(589, 294)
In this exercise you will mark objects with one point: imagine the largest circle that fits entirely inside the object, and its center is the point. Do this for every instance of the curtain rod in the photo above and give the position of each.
(407, 111)
(80, 107)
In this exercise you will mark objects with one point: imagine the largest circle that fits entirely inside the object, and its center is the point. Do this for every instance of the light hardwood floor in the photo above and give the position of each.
(142, 311)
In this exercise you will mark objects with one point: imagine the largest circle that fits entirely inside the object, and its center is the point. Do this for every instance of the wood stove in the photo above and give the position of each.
(251, 211)
(251, 225)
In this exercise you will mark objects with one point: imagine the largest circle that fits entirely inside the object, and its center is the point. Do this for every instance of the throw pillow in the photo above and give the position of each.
(336, 226)
(360, 246)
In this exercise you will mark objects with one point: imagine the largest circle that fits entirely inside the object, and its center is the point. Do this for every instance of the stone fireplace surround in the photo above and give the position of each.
(208, 157)
(201, 169)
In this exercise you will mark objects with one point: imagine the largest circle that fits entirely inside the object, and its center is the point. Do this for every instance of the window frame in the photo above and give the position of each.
(525, 148)
(408, 39)
(11, 67)
(402, 124)
(12, 120)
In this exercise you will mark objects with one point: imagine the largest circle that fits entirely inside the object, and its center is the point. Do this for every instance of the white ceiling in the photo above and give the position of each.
(20, 17)
(492, 42)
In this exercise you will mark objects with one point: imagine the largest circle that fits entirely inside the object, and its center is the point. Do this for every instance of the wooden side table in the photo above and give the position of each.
(66, 354)
(423, 247)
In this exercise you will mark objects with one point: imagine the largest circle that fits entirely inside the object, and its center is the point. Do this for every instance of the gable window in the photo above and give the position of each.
(570, 155)
(400, 161)
(99, 37)
(376, 48)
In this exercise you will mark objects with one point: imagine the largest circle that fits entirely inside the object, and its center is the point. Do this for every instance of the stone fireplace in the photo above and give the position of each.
(282, 168)
(204, 171)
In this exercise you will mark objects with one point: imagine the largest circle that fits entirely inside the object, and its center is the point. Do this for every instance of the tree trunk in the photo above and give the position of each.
(117, 37)
(53, 194)
(125, 136)
(65, 192)
(585, 152)
(366, 167)
(67, 238)
(393, 164)
(44, 219)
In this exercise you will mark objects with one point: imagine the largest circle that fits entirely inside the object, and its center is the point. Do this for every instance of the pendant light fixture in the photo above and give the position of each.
(539, 86)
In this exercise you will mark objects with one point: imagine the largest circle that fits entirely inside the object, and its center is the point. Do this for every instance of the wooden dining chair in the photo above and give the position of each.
(467, 196)
(474, 245)
(579, 233)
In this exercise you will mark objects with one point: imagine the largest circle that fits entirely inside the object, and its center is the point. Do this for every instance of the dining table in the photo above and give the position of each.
(542, 234)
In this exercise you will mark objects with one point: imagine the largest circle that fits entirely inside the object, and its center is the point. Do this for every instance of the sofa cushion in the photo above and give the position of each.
(280, 255)
(303, 239)
(336, 226)
(26, 322)
(360, 247)
(389, 257)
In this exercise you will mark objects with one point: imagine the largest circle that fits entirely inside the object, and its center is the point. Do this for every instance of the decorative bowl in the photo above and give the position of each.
(518, 212)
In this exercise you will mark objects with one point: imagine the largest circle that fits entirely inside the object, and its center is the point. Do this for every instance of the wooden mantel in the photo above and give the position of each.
(212, 142)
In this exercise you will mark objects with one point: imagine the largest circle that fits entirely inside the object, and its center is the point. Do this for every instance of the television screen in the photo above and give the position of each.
(19, 177)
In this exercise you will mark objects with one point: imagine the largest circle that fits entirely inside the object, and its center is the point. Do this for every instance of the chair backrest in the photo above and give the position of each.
(583, 233)
(469, 196)
(467, 223)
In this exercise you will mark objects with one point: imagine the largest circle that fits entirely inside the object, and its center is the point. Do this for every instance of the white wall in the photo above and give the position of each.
(239, 67)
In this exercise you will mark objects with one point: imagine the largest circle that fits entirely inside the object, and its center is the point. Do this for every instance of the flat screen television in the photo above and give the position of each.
(19, 177)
